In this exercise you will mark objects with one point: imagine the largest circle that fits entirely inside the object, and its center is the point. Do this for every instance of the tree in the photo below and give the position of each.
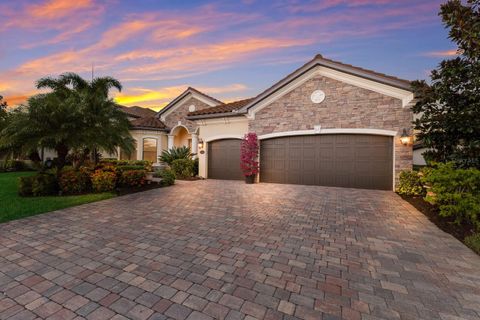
(76, 115)
(449, 108)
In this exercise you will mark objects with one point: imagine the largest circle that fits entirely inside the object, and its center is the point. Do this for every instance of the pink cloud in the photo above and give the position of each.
(444, 53)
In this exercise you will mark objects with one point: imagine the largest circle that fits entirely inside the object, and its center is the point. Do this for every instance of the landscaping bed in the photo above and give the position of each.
(447, 224)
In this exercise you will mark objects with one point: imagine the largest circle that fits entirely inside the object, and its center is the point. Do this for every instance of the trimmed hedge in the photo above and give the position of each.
(74, 181)
(103, 181)
(167, 176)
(42, 184)
(410, 184)
(133, 178)
(183, 168)
(456, 192)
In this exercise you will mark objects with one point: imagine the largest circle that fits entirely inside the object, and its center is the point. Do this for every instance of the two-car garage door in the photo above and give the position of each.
(338, 160)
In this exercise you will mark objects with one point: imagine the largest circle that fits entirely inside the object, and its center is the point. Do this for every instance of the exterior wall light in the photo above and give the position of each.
(405, 138)
(200, 144)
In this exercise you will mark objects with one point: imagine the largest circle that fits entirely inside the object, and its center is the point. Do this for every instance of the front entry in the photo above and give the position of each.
(224, 159)
(337, 160)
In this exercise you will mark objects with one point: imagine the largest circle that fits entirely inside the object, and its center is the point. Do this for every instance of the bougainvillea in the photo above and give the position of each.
(249, 154)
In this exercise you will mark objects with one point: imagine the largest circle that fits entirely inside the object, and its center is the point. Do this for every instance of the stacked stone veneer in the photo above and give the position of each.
(180, 114)
(345, 106)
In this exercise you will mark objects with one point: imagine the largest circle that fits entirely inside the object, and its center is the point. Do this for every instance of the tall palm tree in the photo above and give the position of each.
(75, 115)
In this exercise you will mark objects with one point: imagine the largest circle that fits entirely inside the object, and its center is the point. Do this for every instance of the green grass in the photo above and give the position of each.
(12, 206)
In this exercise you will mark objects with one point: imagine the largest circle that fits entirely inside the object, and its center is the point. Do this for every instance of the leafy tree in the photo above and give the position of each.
(3, 112)
(449, 108)
(75, 115)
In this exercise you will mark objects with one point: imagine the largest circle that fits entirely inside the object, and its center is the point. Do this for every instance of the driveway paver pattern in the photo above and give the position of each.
(226, 250)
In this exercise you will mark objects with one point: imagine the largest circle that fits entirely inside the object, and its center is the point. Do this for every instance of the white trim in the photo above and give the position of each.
(178, 126)
(380, 132)
(223, 136)
(225, 120)
(405, 96)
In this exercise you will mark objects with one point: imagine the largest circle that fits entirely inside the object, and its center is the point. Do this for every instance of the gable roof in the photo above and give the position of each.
(137, 112)
(223, 108)
(319, 60)
(242, 106)
(188, 91)
(148, 123)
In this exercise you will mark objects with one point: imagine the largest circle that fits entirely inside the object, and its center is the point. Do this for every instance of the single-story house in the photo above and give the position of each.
(327, 123)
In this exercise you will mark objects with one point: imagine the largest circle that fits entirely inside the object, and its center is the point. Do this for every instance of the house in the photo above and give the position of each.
(327, 123)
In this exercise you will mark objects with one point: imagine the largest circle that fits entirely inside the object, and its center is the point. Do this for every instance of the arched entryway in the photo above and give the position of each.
(180, 136)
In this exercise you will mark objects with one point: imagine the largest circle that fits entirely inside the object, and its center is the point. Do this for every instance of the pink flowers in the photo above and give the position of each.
(249, 154)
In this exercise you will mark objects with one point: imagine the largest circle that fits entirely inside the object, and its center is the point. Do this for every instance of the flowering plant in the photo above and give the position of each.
(249, 154)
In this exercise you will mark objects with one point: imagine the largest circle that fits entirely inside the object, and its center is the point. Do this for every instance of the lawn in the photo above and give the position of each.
(12, 206)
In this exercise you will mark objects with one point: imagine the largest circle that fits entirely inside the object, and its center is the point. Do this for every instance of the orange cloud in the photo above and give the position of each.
(156, 99)
(54, 9)
(16, 99)
(445, 53)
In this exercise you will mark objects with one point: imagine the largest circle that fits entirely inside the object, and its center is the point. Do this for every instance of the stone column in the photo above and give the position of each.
(170, 141)
(195, 143)
(140, 149)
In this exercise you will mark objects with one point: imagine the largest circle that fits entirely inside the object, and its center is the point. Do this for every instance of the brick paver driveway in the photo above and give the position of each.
(223, 249)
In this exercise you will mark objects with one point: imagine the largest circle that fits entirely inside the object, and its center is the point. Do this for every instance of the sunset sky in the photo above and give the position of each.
(228, 49)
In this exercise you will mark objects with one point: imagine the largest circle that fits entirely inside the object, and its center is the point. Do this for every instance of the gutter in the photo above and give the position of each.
(216, 115)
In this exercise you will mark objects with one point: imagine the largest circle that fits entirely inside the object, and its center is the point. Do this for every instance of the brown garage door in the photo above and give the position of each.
(224, 159)
(338, 160)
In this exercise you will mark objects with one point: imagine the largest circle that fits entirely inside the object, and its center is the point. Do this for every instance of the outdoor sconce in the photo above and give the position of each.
(405, 138)
(200, 144)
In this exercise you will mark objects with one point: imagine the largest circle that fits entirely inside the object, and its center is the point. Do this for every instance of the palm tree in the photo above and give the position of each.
(75, 115)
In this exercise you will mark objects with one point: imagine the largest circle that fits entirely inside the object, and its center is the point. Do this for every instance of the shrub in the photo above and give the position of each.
(170, 155)
(183, 168)
(410, 184)
(133, 178)
(25, 186)
(473, 242)
(74, 181)
(103, 181)
(15, 165)
(167, 175)
(195, 167)
(456, 192)
(44, 184)
(249, 154)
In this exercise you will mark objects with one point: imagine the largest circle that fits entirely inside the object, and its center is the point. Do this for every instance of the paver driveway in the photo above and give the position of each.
(224, 249)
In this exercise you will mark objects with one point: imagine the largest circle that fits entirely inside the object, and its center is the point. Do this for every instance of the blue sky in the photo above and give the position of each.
(228, 49)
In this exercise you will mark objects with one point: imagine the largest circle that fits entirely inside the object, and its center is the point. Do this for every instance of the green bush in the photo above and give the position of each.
(456, 192)
(25, 186)
(44, 184)
(183, 168)
(103, 181)
(170, 155)
(15, 165)
(473, 242)
(133, 178)
(195, 167)
(410, 184)
(167, 176)
(74, 181)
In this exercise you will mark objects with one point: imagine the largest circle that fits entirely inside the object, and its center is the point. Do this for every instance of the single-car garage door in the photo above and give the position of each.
(337, 160)
(224, 159)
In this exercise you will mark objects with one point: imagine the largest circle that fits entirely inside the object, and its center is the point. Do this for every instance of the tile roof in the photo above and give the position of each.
(223, 108)
(148, 123)
(137, 112)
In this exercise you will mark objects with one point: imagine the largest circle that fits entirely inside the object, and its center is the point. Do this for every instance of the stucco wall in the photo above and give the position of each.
(418, 157)
(217, 129)
(139, 135)
(345, 106)
(180, 112)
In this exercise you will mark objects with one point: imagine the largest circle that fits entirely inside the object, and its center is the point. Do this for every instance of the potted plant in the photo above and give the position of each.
(248, 157)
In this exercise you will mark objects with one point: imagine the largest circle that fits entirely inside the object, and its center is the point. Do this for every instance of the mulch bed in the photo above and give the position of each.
(446, 224)
(145, 187)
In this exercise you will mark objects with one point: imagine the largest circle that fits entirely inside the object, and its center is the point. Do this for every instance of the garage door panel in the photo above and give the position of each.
(342, 160)
(224, 159)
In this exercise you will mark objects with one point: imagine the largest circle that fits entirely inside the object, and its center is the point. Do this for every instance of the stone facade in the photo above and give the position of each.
(180, 114)
(345, 106)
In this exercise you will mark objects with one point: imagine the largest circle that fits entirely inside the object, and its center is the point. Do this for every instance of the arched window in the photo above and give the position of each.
(150, 149)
